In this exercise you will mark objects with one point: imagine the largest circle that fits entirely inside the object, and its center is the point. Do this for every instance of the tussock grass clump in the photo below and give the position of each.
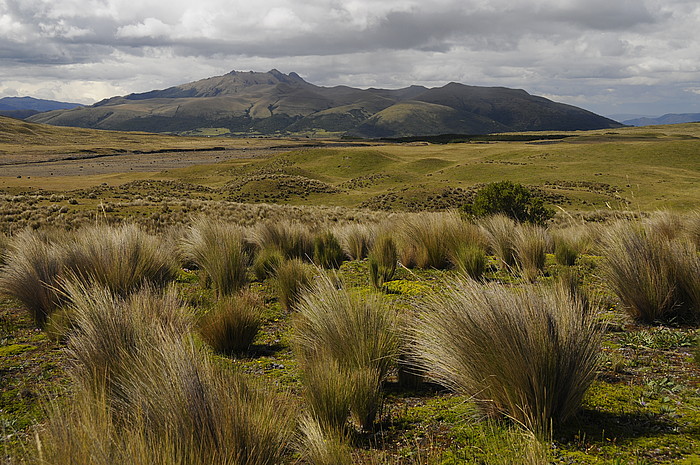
(469, 260)
(292, 279)
(327, 251)
(529, 354)
(356, 239)
(32, 274)
(121, 258)
(219, 250)
(145, 393)
(353, 340)
(530, 245)
(655, 279)
(266, 262)
(430, 237)
(382, 260)
(293, 239)
(108, 331)
(231, 326)
(500, 232)
(665, 224)
(321, 446)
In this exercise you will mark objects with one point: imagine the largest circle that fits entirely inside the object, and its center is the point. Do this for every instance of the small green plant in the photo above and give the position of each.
(511, 199)
(327, 251)
(292, 279)
(219, 250)
(266, 262)
(382, 260)
(231, 326)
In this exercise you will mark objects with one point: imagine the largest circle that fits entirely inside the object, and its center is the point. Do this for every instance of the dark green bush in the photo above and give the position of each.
(513, 200)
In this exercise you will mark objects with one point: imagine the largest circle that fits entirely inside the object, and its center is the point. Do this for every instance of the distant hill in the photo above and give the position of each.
(670, 118)
(23, 107)
(277, 103)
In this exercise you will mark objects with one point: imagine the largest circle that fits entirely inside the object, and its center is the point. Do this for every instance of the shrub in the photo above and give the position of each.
(470, 260)
(356, 240)
(513, 200)
(655, 279)
(266, 262)
(327, 251)
(355, 336)
(500, 232)
(32, 274)
(530, 245)
(218, 249)
(231, 326)
(529, 354)
(293, 278)
(382, 260)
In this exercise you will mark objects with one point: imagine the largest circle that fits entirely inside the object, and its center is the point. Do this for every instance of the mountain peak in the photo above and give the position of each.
(276, 103)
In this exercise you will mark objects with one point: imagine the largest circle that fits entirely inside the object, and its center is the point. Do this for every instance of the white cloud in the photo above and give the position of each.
(575, 49)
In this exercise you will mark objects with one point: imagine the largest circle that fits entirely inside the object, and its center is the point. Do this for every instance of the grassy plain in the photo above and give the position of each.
(643, 407)
(630, 168)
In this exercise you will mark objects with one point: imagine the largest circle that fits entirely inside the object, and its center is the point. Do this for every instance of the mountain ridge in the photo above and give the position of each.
(668, 118)
(284, 104)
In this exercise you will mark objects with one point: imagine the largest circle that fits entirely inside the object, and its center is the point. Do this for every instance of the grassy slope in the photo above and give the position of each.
(632, 168)
(636, 168)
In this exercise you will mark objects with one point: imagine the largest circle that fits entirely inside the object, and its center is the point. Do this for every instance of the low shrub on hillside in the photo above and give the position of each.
(511, 199)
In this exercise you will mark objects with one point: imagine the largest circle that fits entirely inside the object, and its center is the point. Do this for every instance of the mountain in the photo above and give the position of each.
(23, 107)
(670, 118)
(278, 103)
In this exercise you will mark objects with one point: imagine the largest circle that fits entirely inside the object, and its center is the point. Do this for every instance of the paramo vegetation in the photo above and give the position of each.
(257, 334)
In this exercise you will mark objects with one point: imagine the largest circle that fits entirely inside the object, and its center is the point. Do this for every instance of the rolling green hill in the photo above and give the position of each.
(280, 104)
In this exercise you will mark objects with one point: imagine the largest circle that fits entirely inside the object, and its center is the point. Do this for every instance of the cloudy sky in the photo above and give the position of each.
(608, 56)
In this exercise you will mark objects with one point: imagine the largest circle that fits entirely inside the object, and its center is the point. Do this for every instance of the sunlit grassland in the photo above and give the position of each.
(629, 168)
